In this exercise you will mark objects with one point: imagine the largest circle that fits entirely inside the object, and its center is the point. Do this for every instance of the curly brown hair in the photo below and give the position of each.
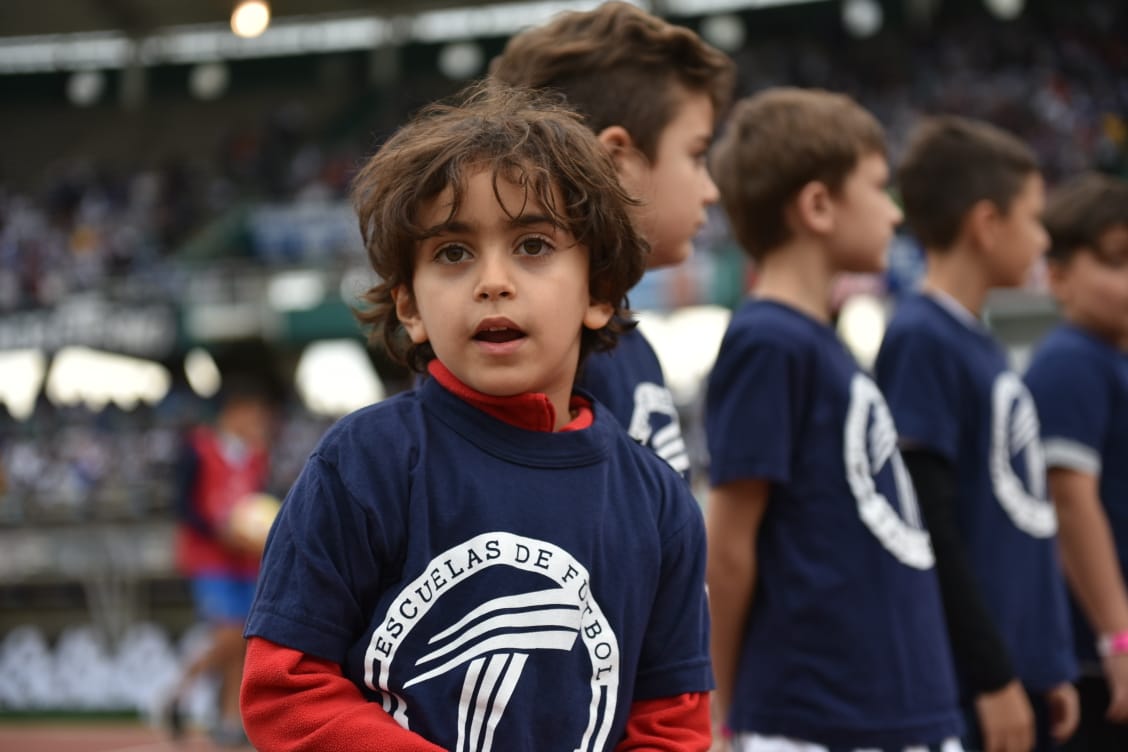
(527, 138)
(619, 65)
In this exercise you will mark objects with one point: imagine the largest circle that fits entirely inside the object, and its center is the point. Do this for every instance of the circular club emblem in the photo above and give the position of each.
(1014, 439)
(488, 647)
(870, 444)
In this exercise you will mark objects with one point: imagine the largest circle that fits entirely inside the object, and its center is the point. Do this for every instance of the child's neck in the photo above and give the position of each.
(957, 273)
(798, 275)
(531, 411)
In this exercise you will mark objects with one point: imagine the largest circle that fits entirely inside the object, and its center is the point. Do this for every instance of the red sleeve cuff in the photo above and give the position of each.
(292, 702)
(681, 723)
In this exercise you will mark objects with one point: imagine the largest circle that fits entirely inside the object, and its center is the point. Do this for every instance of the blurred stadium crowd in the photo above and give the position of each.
(259, 181)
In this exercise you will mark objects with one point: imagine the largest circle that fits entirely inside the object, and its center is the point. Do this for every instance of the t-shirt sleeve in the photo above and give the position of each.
(1072, 398)
(921, 383)
(325, 559)
(675, 650)
(750, 410)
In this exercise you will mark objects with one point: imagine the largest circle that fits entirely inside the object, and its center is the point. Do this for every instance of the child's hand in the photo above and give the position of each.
(1065, 711)
(1116, 672)
(1006, 719)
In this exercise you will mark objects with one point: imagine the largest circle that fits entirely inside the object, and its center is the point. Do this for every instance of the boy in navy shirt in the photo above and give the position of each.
(653, 92)
(1079, 380)
(826, 614)
(973, 197)
(488, 561)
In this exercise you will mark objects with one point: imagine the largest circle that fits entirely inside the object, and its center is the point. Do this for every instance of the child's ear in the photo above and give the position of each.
(982, 224)
(814, 207)
(598, 315)
(624, 153)
(408, 314)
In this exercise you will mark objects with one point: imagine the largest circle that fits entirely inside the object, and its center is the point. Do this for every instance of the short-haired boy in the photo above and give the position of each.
(973, 197)
(652, 91)
(1079, 379)
(827, 630)
(488, 561)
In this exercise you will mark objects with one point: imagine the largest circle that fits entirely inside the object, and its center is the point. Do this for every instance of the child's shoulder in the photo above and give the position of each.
(924, 320)
(769, 324)
(370, 426)
(1066, 347)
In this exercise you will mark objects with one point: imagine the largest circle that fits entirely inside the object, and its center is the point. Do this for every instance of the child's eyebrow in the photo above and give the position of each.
(456, 226)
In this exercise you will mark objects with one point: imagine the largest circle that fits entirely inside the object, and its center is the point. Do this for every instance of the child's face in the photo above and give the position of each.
(1018, 238)
(1092, 286)
(675, 188)
(500, 292)
(864, 217)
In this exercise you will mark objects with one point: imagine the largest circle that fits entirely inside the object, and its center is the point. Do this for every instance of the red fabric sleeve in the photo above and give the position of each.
(292, 702)
(673, 724)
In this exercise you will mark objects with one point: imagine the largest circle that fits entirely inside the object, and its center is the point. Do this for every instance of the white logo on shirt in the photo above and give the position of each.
(667, 442)
(1014, 433)
(870, 442)
(493, 642)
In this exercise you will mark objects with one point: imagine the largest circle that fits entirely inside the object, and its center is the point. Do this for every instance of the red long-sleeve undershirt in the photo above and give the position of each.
(293, 702)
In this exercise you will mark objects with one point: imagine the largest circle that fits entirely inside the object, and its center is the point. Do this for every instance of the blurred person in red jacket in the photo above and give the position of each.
(223, 471)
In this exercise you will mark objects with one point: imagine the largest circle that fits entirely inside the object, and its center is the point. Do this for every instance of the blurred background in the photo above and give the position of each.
(173, 209)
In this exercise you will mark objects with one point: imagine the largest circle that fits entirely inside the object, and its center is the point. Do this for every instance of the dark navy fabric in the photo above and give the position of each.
(629, 381)
(491, 587)
(845, 644)
(951, 392)
(1080, 385)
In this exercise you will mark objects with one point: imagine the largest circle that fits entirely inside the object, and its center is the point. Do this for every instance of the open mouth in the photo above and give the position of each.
(498, 334)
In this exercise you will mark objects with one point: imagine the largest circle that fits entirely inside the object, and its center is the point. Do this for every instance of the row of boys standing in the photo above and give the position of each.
(861, 598)
(873, 572)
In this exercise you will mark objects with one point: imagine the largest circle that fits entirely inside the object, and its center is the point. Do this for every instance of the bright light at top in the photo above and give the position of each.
(250, 18)
(1007, 10)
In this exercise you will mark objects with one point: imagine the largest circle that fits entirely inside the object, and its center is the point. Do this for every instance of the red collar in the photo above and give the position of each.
(531, 410)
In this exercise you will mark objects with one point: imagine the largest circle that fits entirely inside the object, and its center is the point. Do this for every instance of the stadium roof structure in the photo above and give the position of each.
(76, 35)
(139, 18)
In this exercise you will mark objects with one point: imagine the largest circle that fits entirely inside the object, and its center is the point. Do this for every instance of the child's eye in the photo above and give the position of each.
(451, 254)
(533, 246)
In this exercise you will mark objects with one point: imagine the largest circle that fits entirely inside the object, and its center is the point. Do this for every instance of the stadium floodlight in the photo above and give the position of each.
(209, 81)
(1006, 10)
(725, 31)
(85, 88)
(862, 18)
(250, 18)
(461, 60)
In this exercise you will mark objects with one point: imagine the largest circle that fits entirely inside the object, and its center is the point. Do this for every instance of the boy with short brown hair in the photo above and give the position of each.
(973, 197)
(827, 628)
(1079, 379)
(652, 91)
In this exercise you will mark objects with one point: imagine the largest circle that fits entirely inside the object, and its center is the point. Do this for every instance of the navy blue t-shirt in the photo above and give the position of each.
(629, 381)
(491, 587)
(1080, 385)
(845, 643)
(951, 392)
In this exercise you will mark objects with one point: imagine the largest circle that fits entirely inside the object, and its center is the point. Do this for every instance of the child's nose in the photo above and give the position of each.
(495, 280)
